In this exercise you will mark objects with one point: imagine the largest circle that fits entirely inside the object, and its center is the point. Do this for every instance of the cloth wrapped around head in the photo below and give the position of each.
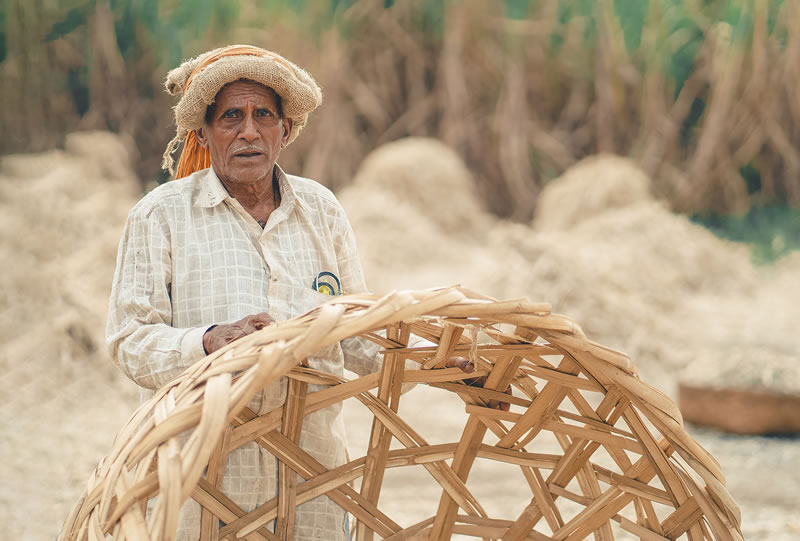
(202, 77)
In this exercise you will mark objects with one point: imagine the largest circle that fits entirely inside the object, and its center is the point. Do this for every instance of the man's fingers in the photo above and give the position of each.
(257, 322)
(221, 335)
(460, 362)
(256, 325)
(262, 320)
(265, 318)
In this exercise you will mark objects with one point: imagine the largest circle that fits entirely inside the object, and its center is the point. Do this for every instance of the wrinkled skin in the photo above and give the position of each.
(222, 335)
(244, 134)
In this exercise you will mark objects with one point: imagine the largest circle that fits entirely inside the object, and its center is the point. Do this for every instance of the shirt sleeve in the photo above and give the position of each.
(139, 334)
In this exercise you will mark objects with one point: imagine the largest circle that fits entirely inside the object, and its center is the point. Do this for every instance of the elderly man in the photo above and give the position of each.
(231, 246)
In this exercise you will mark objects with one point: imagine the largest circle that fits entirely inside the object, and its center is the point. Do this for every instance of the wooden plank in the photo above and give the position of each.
(253, 426)
(681, 519)
(663, 469)
(407, 533)
(541, 409)
(583, 523)
(644, 507)
(611, 409)
(220, 505)
(468, 445)
(169, 468)
(483, 394)
(447, 345)
(633, 486)
(209, 524)
(642, 470)
(462, 462)
(556, 490)
(721, 525)
(544, 498)
(389, 390)
(643, 533)
(567, 380)
(519, 458)
(133, 523)
(524, 523)
(474, 309)
(445, 475)
(308, 467)
(291, 427)
(604, 438)
(589, 480)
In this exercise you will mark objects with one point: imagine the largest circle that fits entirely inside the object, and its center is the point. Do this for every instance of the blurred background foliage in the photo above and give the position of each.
(701, 93)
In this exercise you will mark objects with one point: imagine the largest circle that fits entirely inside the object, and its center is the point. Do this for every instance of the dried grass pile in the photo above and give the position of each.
(417, 217)
(621, 460)
(641, 260)
(591, 187)
(600, 246)
(61, 216)
(429, 176)
(61, 221)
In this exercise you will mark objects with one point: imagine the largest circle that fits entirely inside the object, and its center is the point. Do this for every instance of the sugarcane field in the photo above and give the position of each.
(436, 269)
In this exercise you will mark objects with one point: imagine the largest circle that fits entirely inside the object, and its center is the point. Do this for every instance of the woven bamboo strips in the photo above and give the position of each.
(175, 446)
(380, 438)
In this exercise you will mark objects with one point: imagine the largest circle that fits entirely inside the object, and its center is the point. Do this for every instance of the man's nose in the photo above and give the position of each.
(249, 132)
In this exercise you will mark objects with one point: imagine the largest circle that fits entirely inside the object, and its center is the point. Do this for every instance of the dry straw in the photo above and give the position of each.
(657, 482)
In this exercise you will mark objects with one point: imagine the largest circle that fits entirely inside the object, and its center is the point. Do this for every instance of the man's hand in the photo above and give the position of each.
(222, 335)
(467, 367)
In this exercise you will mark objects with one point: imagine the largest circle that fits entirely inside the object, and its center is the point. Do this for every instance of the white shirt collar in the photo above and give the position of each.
(211, 192)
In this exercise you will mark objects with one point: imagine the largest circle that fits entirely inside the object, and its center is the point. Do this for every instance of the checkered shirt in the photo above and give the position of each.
(191, 257)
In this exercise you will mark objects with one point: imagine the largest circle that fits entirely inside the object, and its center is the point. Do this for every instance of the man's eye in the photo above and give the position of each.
(231, 113)
(265, 113)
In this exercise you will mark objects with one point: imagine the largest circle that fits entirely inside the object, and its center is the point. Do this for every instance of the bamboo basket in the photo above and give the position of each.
(657, 482)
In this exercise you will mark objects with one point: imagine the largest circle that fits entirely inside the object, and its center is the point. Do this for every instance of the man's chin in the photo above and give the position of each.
(250, 174)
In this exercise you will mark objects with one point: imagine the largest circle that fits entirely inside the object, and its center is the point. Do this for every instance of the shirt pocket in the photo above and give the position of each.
(328, 359)
(310, 299)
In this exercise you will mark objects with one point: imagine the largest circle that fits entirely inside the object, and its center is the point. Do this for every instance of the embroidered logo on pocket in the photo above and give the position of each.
(327, 283)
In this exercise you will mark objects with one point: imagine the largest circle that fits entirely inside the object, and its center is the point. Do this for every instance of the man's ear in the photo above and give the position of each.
(286, 122)
(200, 134)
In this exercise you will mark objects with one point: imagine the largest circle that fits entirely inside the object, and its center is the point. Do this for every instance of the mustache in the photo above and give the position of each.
(249, 148)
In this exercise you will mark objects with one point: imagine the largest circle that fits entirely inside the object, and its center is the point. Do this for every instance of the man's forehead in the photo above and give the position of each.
(246, 90)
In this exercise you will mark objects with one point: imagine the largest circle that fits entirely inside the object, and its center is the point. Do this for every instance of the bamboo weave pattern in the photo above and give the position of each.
(655, 481)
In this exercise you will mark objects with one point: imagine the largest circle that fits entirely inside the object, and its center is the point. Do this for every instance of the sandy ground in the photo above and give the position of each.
(669, 303)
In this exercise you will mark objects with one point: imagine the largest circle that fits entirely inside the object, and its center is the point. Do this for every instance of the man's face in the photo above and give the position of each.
(244, 133)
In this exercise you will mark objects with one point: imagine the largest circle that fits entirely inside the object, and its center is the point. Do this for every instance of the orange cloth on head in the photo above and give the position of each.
(194, 157)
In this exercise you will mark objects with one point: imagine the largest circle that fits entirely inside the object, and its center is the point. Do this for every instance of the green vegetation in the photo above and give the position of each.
(701, 93)
(771, 231)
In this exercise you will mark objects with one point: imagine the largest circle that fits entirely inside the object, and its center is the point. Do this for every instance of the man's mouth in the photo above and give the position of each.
(248, 154)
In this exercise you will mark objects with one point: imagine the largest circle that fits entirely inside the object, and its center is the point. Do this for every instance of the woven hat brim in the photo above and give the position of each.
(298, 91)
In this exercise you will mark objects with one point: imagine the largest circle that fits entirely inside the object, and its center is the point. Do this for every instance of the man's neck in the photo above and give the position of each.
(258, 199)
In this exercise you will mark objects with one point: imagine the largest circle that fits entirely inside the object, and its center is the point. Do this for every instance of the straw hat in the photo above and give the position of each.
(199, 79)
